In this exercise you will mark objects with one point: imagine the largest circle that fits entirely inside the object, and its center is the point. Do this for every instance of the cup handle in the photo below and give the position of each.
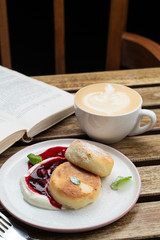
(137, 129)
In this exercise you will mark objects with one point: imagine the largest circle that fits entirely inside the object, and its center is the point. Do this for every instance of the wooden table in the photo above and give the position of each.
(143, 221)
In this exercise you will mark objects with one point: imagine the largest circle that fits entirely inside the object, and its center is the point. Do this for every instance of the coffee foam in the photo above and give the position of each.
(107, 102)
(108, 99)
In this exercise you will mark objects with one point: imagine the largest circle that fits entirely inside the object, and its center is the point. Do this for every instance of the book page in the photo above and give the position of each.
(29, 100)
(8, 127)
(10, 132)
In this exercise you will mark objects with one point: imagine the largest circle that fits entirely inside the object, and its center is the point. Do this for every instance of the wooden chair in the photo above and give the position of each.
(123, 49)
(127, 49)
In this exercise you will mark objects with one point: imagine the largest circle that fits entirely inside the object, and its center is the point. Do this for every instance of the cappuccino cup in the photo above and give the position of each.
(109, 112)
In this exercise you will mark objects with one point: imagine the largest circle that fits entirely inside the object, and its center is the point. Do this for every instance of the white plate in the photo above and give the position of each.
(109, 207)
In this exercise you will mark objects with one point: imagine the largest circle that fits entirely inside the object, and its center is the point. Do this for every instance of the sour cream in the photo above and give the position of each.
(32, 197)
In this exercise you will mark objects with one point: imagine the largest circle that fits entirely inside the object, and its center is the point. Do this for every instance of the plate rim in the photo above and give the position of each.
(78, 229)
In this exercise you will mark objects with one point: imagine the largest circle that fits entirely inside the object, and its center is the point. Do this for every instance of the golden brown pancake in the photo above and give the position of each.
(89, 157)
(69, 194)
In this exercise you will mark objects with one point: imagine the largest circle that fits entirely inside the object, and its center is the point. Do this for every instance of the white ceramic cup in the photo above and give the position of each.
(112, 128)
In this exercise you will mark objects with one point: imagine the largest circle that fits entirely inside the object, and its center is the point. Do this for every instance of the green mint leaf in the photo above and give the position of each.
(75, 180)
(34, 159)
(119, 180)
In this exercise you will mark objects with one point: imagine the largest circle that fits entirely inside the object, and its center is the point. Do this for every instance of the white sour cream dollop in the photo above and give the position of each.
(32, 197)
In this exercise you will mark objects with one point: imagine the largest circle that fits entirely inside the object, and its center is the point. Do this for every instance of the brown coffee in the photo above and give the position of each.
(107, 99)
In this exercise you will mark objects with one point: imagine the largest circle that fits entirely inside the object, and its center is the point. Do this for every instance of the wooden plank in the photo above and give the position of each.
(72, 82)
(150, 178)
(140, 149)
(69, 127)
(150, 95)
(142, 222)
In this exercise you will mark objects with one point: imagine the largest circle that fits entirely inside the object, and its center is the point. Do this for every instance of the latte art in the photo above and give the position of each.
(107, 102)
(107, 99)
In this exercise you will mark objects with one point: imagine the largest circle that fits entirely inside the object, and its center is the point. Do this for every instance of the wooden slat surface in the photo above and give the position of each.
(143, 221)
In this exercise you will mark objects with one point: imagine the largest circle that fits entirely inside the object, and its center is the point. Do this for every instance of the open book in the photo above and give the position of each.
(28, 107)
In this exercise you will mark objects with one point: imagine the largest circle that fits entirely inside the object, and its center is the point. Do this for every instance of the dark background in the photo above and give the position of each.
(32, 36)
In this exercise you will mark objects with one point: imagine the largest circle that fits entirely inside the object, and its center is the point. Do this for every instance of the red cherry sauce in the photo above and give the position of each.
(38, 180)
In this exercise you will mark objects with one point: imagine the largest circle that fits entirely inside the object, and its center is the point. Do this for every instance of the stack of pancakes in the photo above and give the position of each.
(86, 163)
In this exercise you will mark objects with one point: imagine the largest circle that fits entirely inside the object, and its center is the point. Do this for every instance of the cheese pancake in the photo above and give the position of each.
(90, 157)
(74, 187)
